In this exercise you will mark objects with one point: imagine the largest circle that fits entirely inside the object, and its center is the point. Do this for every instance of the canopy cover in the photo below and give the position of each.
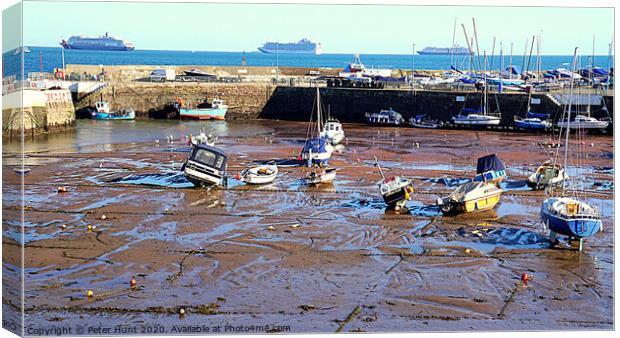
(488, 163)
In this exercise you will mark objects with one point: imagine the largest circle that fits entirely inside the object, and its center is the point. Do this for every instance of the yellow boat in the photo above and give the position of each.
(471, 197)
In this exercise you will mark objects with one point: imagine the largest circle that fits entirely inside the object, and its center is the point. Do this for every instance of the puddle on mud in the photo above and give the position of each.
(170, 180)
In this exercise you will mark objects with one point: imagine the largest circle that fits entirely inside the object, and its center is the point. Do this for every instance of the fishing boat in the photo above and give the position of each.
(205, 166)
(333, 131)
(395, 190)
(567, 215)
(259, 175)
(385, 117)
(317, 148)
(548, 174)
(423, 121)
(320, 175)
(217, 111)
(102, 112)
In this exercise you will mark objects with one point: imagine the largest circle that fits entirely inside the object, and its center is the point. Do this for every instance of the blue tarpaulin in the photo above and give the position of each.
(471, 110)
(316, 145)
(488, 163)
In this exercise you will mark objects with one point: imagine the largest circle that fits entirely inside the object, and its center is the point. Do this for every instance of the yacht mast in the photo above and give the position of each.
(570, 104)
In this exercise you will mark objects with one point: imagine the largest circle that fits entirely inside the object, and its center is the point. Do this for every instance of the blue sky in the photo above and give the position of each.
(368, 29)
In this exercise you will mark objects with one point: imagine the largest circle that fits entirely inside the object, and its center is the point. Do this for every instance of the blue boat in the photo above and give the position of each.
(102, 112)
(217, 111)
(570, 217)
(317, 149)
(532, 123)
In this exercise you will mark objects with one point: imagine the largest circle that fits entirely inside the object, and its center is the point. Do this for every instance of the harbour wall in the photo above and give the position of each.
(350, 105)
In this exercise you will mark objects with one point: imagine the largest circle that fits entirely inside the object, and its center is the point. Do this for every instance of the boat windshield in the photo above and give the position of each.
(209, 158)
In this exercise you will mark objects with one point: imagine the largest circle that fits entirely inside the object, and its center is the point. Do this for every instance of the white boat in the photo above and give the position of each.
(386, 117)
(396, 190)
(583, 122)
(548, 174)
(422, 121)
(476, 120)
(333, 131)
(319, 175)
(205, 166)
(317, 149)
(259, 175)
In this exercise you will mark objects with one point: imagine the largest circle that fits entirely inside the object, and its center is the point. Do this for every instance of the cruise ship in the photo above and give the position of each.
(304, 46)
(104, 42)
(445, 51)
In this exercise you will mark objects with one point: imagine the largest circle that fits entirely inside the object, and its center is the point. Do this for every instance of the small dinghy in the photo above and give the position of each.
(547, 175)
(259, 175)
(320, 175)
(203, 138)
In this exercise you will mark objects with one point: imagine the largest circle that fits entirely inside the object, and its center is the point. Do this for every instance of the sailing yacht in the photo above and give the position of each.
(317, 148)
(531, 121)
(478, 117)
(568, 215)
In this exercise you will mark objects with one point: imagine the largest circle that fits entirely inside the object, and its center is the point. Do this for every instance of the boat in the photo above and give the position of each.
(472, 117)
(104, 42)
(481, 194)
(395, 190)
(470, 197)
(567, 215)
(583, 122)
(532, 121)
(20, 50)
(385, 117)
(102, 112)
(548, 174)
(303, 46)
(319, 175)
(195, 72)
(317, 148)
(332, 130)
(456, 50)
(202, 138)
(259, 175)
(357, 70)
(205, 166)
(217, 111)
(423, 121)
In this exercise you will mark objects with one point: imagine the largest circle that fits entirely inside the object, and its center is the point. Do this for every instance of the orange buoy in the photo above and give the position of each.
(132, 282)
(524, 278)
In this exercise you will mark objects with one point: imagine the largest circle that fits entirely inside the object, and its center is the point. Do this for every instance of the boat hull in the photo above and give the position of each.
(204, 114)
(532, 125)
(584, 125)
(111, 116)
(486, 121)
(471, 206)
(572, 227)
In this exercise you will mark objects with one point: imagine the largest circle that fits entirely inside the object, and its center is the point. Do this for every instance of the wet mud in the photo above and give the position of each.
(285, 257)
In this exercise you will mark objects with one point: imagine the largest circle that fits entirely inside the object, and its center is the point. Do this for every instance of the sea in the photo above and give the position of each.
(45, 59)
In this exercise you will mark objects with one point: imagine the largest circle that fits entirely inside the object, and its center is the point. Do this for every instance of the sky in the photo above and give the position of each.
(366, 29)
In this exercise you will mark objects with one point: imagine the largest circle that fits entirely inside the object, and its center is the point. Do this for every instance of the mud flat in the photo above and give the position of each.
(337, 260)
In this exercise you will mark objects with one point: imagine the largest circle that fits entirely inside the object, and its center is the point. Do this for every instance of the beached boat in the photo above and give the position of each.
(471, 197)
(395, 190)
(259, 175)
(317, 149)
(423, 121)
(102, 112)
(548, 174)
(333, 131)
(385, 117)
(471, 117)
(532, 123)
(319, 175)
(205, 166)
(483, 193)
(583, 122)
(195, 72)
(217, 111)
(564, 215)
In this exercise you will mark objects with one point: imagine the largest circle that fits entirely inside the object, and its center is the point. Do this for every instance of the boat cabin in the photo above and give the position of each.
(102, 107)
(205, 164)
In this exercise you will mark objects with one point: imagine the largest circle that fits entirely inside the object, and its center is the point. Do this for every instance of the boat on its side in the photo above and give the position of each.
(217, 111)
(259, 175)
(205, 166)
(385, 117)
(548, 174)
